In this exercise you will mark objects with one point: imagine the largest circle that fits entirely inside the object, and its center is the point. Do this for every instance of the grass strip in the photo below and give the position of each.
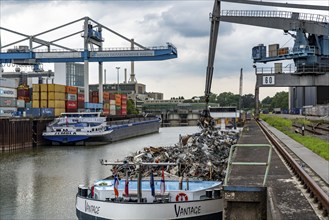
(315, 144)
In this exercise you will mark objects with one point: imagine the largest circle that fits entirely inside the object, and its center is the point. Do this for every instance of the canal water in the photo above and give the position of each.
(42, 183)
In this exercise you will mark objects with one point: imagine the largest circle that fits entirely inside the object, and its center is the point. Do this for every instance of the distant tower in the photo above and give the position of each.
(240, 89)
(132, 78)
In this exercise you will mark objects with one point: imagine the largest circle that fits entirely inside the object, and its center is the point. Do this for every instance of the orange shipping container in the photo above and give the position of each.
(106, 96)
(71, 89)
(26, 99)
(95, 100)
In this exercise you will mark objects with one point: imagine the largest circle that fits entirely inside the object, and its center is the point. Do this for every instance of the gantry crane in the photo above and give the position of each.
(311, 49)
(92, 34)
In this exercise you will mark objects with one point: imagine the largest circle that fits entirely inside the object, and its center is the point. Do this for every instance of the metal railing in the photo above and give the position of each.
(276, 14)
(230, 162)
(316, 69)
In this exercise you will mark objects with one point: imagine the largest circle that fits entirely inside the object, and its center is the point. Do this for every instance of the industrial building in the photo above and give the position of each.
(70, 74)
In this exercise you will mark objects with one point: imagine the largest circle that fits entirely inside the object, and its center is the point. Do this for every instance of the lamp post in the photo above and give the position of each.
(118, 77)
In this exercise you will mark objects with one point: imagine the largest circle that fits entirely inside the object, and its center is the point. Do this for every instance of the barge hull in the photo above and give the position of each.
(122, 132)
(209, 209)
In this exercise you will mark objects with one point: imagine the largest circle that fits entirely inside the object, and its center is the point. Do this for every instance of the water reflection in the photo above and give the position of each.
(42, 183)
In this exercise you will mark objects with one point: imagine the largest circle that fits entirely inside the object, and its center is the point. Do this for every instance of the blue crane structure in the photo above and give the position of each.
(310, 51)
(92, 34)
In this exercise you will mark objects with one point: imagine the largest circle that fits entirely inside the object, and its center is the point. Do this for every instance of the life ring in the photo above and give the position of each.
(181, 197)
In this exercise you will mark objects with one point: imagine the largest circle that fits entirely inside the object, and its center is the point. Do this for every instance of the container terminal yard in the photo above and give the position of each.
(268, 175)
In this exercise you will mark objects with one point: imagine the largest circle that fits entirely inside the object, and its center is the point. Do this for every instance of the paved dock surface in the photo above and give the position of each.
(285, 198)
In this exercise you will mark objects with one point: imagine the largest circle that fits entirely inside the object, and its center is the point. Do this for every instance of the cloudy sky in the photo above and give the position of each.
(184, 23)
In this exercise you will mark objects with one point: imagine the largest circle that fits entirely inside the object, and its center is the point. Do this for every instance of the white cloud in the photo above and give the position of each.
(153, 23)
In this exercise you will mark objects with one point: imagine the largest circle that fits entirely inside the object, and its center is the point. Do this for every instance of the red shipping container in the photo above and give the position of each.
(112, 96)
(71, 110)
(94, 93)
(124, 96)
(123, 112)
(81, 97)
(123, 102)
(71, 105)
(23, 92)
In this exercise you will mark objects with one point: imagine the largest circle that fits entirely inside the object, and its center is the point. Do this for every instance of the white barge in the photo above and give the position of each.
(180, 200)
(81, 128)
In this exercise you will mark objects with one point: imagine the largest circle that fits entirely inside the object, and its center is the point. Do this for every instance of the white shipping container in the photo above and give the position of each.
(8, 92)
(7, 111)
(71, 97)
(112, 102)
(81, 90)
(112, 112)
(20, 103)
(8, 83)
(8, 102)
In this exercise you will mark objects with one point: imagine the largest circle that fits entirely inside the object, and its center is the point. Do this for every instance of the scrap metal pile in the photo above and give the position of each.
(200, 156)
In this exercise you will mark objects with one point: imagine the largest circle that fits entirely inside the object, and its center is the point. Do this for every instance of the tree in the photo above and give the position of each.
(131, 109)
(267, 103)
(228, 99)
(248, 101)
(280, 100)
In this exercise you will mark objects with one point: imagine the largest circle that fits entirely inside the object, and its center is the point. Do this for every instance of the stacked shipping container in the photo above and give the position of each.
(8, 97)
(112, 104)
(81, 99)
(106, 105)
(71, 99)
(123, 104)
(56, 98)
(23, 96)
(118, 104)
(53, 99)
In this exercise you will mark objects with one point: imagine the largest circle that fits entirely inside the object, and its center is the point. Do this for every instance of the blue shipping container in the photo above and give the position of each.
(47, 112)
(33, 112)
(89, 105)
